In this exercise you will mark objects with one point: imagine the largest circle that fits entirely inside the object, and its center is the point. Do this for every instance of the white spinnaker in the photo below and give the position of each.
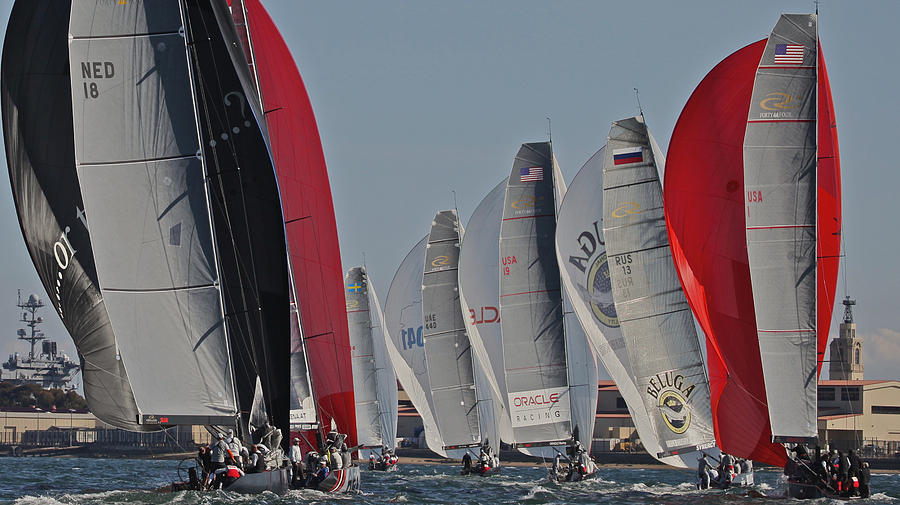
(480, 303)
(403, 316)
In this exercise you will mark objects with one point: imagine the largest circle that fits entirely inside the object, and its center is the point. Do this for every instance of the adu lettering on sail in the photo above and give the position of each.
(653, 314)
(40, 150)
(406, 342)
(176, 255)
(704, 208)
(309, 221)
(531, 308)
(375, 383)
(782, 215)
(479, 299)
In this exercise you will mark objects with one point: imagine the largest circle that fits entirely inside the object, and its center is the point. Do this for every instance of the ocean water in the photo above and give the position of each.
(74, 481)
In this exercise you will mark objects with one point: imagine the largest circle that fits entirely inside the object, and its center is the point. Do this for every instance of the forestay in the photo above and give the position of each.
(654, 317)
(780, 188)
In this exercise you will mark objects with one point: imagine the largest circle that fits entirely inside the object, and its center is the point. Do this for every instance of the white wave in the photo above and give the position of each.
(881, 496)
(533, 492)
(37, 500)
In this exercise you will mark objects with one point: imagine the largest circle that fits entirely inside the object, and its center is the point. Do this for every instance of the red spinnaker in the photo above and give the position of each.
(704, 207)
(829, 210)
(309, 220)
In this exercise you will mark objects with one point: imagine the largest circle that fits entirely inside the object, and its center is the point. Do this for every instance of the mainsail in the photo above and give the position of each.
(531, 305)
(406, 345)
(653, 314)
(40, 152)
(310, 226)
(780, 196)
(451, 373)
(719, 277)
(479, 299)
(375, 383)
(172, 178)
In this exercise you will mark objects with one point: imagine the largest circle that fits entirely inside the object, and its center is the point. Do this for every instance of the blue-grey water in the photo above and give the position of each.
(75, 481)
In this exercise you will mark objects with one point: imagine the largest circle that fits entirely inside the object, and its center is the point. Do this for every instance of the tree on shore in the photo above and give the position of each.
(32, 395)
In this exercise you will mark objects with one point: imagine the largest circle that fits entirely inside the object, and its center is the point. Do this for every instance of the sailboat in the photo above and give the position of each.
(613, 253)
(464, 420)
(375, 383)
(760, 276)
(550, 369)
(168, 273)
(321, 370)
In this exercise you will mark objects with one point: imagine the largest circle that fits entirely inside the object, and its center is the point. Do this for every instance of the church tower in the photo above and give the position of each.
(846, 349)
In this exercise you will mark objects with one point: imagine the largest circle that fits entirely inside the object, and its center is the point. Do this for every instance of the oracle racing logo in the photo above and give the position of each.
(535, 400)
(672, 392)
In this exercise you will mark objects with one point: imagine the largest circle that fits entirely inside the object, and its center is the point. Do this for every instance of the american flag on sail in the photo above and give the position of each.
(789, 54)
(531, 174)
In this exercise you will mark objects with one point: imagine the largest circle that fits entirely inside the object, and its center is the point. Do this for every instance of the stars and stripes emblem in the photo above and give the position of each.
(531, 174)
(789, 54)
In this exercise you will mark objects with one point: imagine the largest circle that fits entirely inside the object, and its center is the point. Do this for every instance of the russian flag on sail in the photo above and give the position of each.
(628, 155)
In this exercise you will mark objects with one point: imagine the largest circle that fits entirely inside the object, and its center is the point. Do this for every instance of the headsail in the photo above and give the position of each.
(375, 384)
(654, 316)
(531, 308)
(309, 221)
(40, 152)
(406, 345)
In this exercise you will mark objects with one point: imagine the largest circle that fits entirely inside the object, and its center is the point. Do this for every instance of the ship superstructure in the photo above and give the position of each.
(48, 368)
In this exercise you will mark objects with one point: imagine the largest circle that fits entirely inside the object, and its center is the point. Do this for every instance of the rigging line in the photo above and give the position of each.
(638, 98)
(202, 89)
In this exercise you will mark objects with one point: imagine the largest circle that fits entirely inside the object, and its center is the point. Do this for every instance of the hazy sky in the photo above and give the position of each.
(417, 98)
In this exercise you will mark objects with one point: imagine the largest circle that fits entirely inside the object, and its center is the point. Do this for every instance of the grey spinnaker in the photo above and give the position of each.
(172, 178)
(40, 152)
(654, 316)
(479, 296)
(531, 308)
(406, 346)
(448, 354)
(374, 380)
(780, 182)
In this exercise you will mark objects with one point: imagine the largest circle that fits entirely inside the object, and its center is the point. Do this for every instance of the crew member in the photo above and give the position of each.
(218, 452)
(296, 459)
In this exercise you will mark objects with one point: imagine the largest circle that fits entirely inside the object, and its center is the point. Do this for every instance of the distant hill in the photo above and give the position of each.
(31, 396)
